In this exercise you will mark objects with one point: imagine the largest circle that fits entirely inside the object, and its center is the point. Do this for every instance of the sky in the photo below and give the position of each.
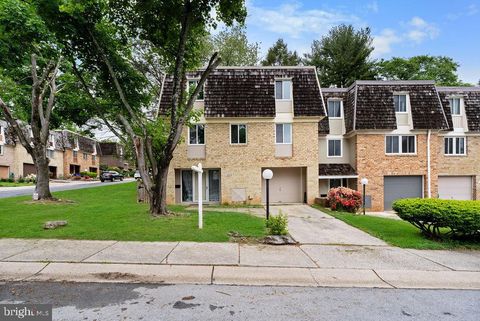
(400, 28)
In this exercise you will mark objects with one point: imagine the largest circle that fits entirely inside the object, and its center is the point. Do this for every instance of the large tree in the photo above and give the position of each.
(131, 46)
(279, 55)
(32, 75)
(233, 47)
(442, 69)
(343, 56)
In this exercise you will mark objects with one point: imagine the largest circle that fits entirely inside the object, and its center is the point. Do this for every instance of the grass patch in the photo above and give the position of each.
(15, 184)
(112, 213)
(396, 232)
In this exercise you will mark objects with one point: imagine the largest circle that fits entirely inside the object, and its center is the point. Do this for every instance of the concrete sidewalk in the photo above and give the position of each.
(237, 264)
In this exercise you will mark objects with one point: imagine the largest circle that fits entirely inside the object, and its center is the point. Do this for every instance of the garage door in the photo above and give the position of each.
(28, 169)
(4, 172)
(286, 186)
(398, 187)
(455, 187)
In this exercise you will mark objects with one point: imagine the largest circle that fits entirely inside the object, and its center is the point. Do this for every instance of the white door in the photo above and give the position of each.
(455, 187)
(286, 186)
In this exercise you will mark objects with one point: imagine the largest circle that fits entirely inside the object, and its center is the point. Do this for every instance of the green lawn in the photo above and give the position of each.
(396, 232)
(14, 184)
(112, 213)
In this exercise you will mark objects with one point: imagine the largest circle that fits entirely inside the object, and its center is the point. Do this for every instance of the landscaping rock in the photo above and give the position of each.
(279, 240)
(50, 225)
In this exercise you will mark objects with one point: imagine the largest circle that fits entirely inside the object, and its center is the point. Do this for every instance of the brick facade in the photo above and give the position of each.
(468, 165)
(241, 165)
(85, 164)
(374, 164)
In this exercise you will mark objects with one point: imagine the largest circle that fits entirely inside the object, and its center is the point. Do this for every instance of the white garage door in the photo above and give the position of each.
(286, 186)
(455, 187)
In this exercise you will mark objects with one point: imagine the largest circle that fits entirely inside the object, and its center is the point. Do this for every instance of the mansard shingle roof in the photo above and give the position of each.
(471, 98)
(336, 170)
(250, 92)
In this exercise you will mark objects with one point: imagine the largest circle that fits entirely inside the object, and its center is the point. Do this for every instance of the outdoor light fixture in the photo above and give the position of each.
(267, 175)
(364, 182)
(199, 171)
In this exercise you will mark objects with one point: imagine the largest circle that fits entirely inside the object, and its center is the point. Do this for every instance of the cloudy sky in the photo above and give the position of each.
(401, 28)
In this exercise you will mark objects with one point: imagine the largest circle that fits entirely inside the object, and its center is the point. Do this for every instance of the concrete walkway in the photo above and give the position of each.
(311, 226)
(237, 264)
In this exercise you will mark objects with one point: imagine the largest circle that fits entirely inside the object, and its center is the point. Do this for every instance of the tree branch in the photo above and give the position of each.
(16, 127)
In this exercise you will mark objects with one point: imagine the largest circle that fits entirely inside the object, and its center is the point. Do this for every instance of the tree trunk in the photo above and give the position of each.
(158, 194)
(43, 179)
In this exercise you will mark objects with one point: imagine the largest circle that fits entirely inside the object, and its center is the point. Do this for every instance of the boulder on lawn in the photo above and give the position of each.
(50, 225)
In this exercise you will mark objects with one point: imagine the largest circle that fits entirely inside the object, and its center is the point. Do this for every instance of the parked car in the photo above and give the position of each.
(111, 176)
(137, 175)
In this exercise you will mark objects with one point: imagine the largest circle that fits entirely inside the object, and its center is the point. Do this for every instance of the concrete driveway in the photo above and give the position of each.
(311, 226)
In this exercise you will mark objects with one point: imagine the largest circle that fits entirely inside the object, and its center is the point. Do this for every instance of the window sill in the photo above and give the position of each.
(403, 155)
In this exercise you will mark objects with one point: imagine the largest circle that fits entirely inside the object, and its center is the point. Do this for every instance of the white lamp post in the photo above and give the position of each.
(199, 171)
(364, 182)
(267, 175)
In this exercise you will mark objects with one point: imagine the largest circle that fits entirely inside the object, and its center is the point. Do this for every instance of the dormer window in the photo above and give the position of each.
(75, 143)
(94, 149)
(51, 141)
(400, 102)
(334, 108)
(283, 89)
(192, 83)
(455, 106)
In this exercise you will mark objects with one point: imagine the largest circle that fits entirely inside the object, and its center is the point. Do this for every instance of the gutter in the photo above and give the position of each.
(429, 179)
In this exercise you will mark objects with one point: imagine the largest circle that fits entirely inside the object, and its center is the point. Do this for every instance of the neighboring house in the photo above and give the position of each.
(390, 132)
(459, 152)
(15, 160)
(253, 118)
(79, 153)
(113, 155)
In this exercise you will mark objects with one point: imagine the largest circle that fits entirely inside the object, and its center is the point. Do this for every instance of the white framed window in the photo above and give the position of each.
(337, 182)
(50, 153)
(75, 142)
(334, 148)
(400, 103)
(283, 89)
(334, 108)
(238, 134)
(85, 156)
(196, 135)
(1, 150)
(75, 154)
(283, 133)
(94, 158)
(400, 144)
(455, 106)
(94, 149)
(51, 141)
(192, 83)
(455, 146)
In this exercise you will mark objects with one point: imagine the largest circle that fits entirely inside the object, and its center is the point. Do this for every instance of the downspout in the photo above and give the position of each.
(429, 179)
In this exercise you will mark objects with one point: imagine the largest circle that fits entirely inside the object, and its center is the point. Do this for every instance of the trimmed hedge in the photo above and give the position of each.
(461, 218)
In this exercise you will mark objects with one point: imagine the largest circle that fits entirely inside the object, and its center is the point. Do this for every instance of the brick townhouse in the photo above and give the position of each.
(401, 135)
(69, 153)
(113, 155)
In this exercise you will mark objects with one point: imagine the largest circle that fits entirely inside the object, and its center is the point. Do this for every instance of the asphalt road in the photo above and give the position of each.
(94, 301)
(54, 187)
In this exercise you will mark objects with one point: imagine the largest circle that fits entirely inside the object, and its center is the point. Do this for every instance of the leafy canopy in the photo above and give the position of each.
(343, 56)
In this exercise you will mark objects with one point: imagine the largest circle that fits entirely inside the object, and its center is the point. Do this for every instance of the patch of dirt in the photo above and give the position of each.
(116, 276)
(239, 238)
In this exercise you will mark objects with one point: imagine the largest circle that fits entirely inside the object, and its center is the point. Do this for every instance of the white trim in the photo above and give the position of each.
(341, 107)
(341, 147)
(400, 145)
(335, 177)
(460, 103)
(401, 93)
(283, 131)
(291, 89)
(238, 133)
(196, 133)
(454, 145)
(2, 150)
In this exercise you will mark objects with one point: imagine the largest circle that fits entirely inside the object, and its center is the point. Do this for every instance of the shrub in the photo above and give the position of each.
(21, 180)
(278, 224)
(460, 218)
(88, 174)
(32, 178)
(343, 198)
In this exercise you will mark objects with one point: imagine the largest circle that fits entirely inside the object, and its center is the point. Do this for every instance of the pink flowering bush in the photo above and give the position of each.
(343, 198)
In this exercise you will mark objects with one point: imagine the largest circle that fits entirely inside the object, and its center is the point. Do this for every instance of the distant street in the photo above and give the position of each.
(55, 187)
(92, 301)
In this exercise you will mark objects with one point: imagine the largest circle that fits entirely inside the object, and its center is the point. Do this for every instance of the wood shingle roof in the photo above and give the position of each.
(471, 98)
